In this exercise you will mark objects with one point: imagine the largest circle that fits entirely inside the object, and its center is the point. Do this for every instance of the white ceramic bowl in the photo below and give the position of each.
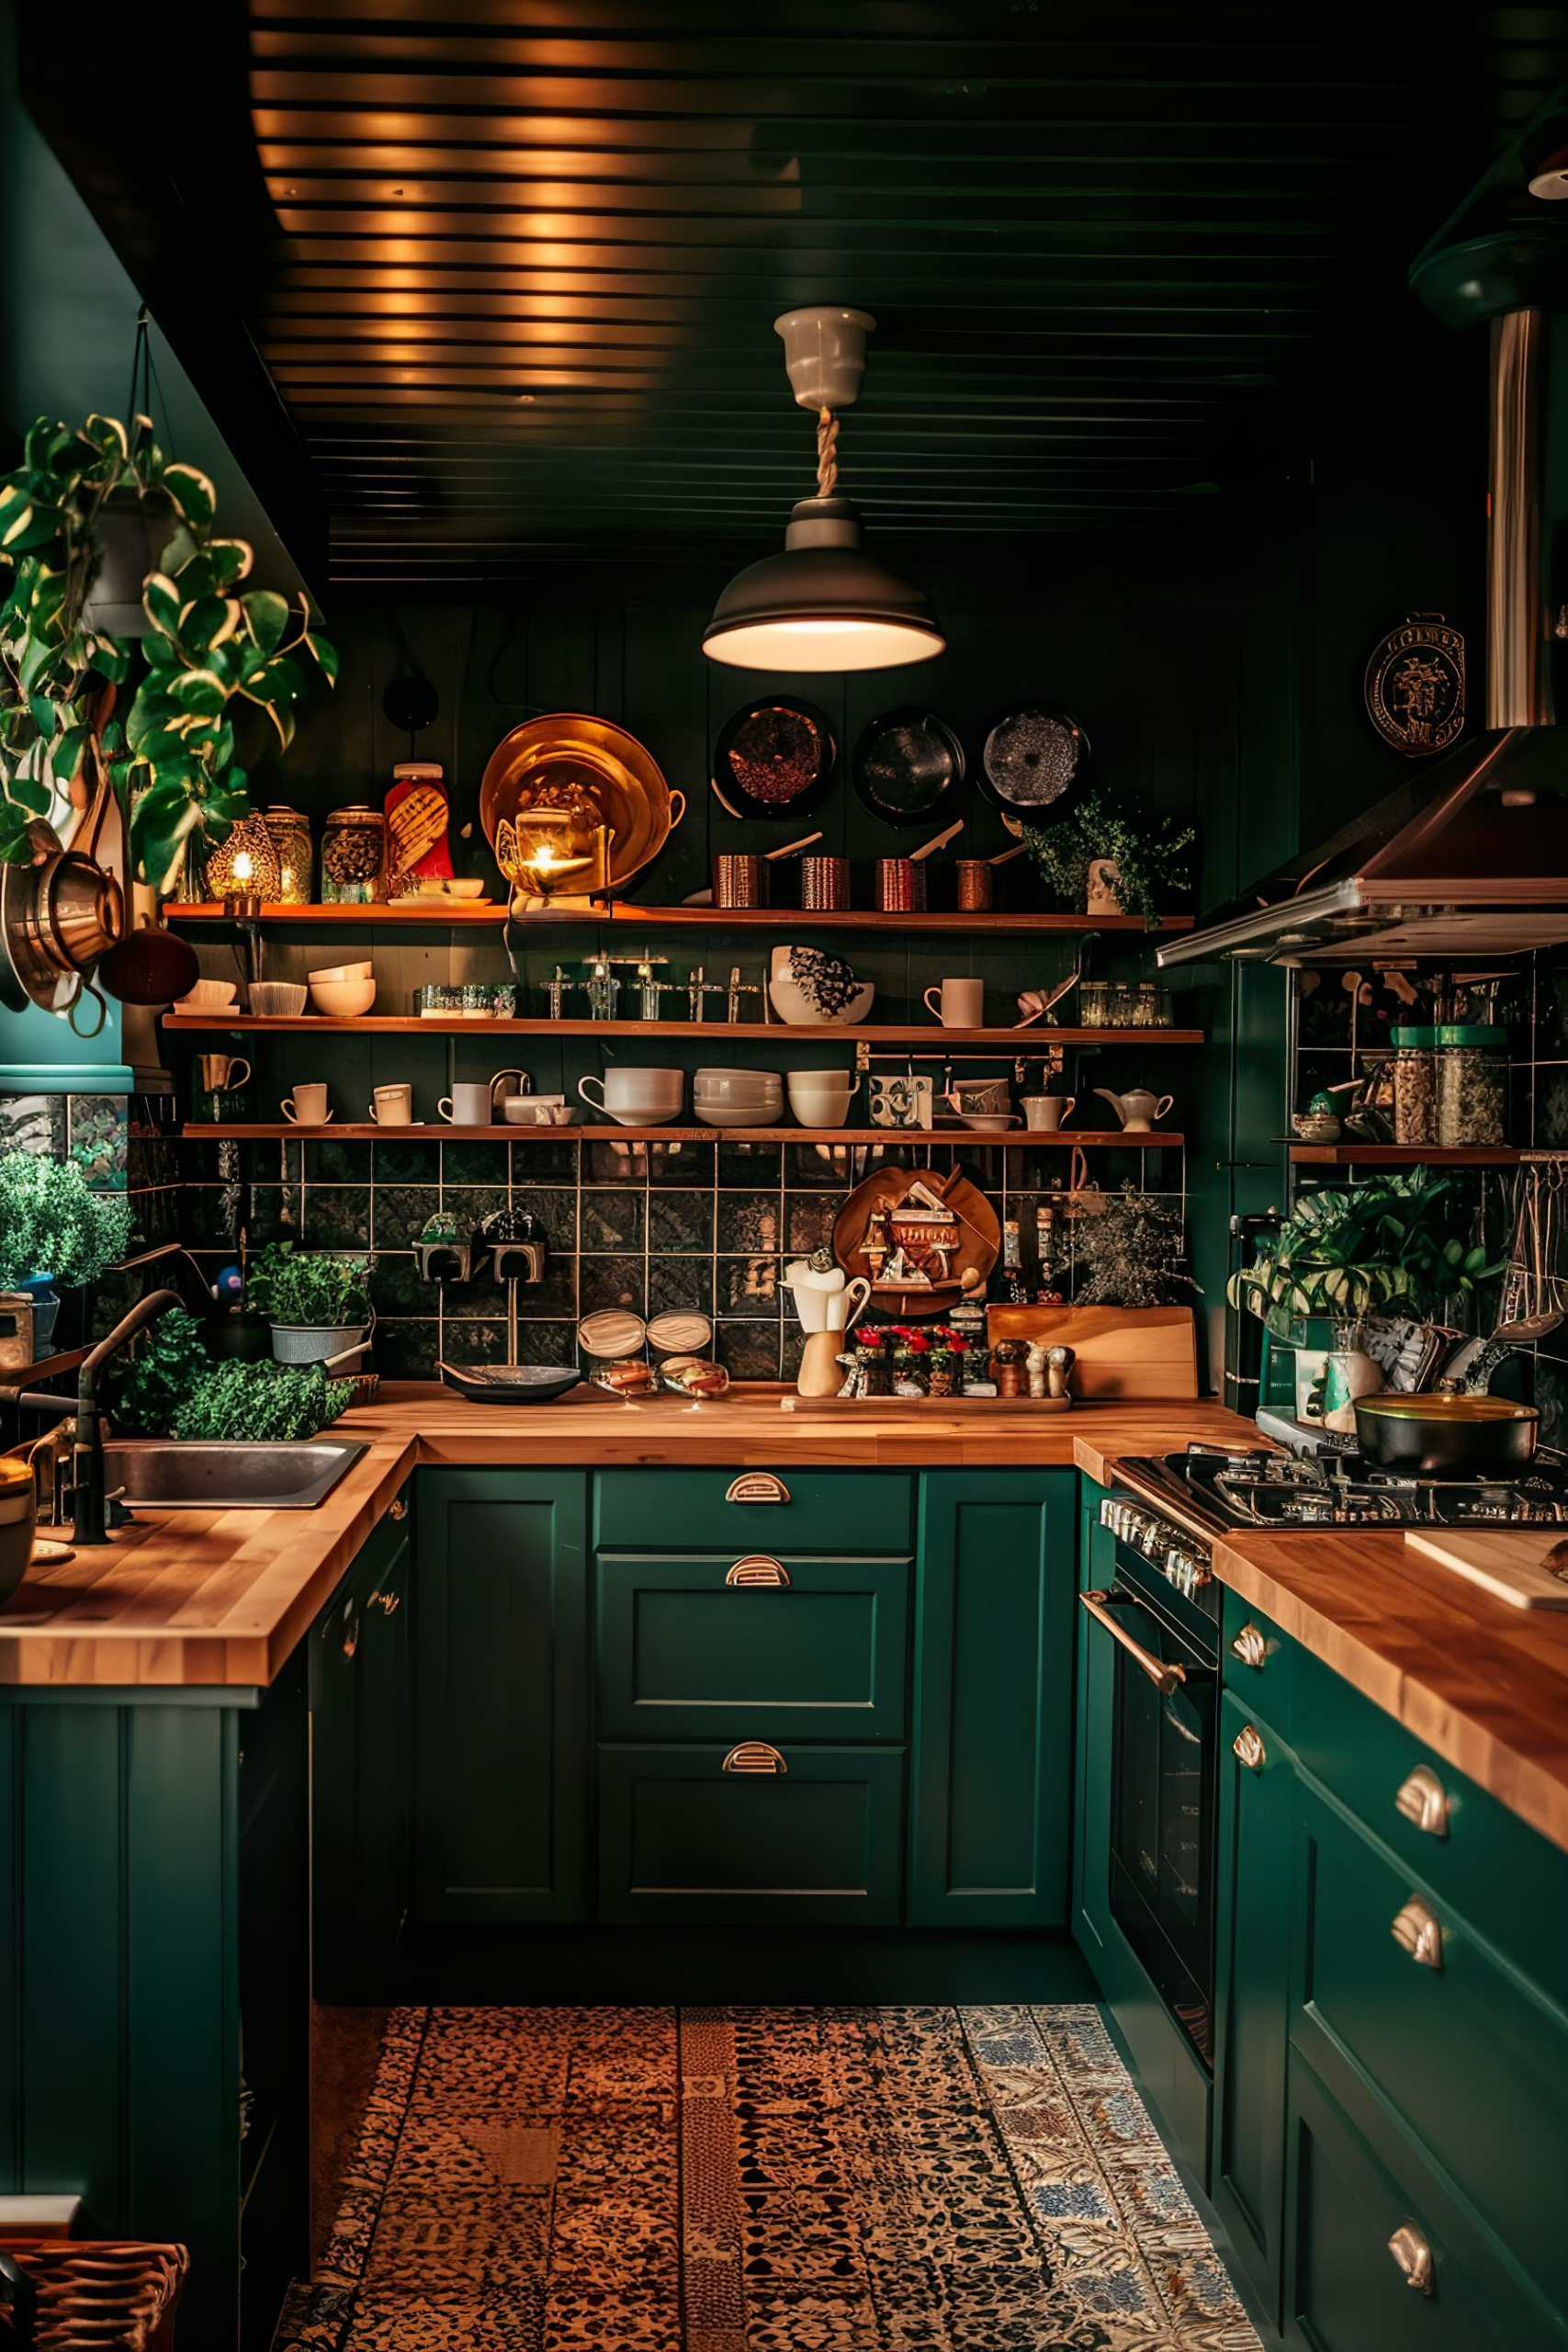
(342, 1000)
(792, 1005)
(737, 1086)
(278, 1000)
(989, 1123)
(209, 996)
(342, 972)
(538, 1111)
(466, 885)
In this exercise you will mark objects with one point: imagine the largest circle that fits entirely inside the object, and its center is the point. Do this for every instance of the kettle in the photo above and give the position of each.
(1137, 1109)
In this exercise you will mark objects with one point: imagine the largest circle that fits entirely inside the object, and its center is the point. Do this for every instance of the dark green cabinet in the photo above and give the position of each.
(500, 1661)
(992, 1762)
(360, 1753)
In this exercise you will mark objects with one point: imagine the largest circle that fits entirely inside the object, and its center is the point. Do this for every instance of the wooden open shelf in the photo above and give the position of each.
(1402, 1155)
(1027, 1043)
(466, 912)
(956, 1139)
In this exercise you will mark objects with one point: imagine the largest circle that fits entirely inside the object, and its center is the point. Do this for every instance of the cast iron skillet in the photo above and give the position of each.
(1433, 1435)
(774, 760)
(907, 765)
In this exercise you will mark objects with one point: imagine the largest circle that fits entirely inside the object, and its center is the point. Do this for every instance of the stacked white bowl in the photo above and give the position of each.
(736, 1098)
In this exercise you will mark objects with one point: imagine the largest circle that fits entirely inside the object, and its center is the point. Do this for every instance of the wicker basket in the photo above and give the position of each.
(70, 2295)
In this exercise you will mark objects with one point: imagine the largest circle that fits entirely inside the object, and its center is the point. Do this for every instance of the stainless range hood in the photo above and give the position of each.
(1471, 856)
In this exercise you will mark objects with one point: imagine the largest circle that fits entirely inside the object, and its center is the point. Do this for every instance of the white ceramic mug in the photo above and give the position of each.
(821, 1098)
(500, 1091)
(469, 1104)
(961, 1003)
(306, 1106)
(392, 1107)
(626, 1094)
(1046, 1113)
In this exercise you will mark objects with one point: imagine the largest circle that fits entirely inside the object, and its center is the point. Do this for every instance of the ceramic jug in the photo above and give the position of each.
(1137, 1109)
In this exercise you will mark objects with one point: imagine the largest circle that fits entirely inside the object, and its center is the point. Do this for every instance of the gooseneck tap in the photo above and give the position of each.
(89, 1501)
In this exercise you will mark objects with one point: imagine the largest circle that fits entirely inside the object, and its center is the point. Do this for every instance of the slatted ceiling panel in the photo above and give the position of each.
(529, 254)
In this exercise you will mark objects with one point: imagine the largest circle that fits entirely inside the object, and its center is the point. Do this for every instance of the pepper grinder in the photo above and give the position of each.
(738, 988)
(698, 989)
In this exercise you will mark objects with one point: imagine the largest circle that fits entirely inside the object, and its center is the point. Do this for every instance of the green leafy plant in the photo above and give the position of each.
(51, 1222)
(1127, 1255)
(206, 651)
(142, 1388)
(1400, 1240)
(306, 1286)
(1149, 854)
(238, 1403)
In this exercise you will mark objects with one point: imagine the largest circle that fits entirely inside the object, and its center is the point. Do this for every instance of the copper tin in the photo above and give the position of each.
(824, 884)
(900, 886)
(739, 879)
(974, 876)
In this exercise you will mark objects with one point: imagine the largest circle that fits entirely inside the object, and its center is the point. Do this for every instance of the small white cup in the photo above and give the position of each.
(1046, 1113)
(392, 1107)
(961, 1003)
(469, 1104)
(628, 1094)
(306, 1106)
(821, 1098)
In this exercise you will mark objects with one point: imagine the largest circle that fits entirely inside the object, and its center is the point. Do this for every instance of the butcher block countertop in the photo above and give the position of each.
(1483, 1685)
(205, 1598)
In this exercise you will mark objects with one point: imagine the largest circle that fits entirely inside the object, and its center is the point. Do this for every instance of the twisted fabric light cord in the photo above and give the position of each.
(827, 452)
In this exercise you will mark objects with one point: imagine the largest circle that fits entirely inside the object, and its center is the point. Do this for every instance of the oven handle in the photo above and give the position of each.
(1164, 1676)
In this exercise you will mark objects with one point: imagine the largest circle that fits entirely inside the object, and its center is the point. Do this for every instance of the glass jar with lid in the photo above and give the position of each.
(1472, 1084)
(289, 832)
(1413, 1072)
(1094, 1004)
(354, 857)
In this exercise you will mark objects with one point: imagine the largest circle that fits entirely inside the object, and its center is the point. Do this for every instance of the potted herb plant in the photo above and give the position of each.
(316, 1301)
(1148, 854)
(168, 1388)
(56, 1232)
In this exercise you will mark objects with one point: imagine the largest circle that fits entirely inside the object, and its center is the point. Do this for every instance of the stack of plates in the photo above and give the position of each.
(736, 1098)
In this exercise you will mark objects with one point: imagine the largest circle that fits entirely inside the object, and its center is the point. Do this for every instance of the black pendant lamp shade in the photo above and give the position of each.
(825, 602)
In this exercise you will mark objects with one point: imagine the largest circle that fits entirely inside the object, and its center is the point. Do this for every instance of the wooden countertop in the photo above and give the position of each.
(1483, 1685)
(222, 1597)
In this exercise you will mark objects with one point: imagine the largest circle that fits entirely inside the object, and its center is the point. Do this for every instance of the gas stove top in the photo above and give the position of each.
(1215, 1489)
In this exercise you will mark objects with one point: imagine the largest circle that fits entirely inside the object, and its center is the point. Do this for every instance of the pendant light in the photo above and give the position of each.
(825, 602)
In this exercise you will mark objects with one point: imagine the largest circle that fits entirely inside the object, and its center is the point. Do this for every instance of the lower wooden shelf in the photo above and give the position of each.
(1402, 1155)
(952, 1138)
(1028, 1043)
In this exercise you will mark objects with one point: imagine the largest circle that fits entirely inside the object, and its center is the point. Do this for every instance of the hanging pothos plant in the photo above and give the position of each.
(1149, 854)
(207, 650)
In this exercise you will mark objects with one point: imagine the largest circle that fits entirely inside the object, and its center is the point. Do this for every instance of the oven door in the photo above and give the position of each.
(1162, 1803)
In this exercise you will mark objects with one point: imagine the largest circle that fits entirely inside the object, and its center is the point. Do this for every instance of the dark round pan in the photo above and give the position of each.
(908, 768)
(1438, 1436)
(774, 760)
(1035, 762)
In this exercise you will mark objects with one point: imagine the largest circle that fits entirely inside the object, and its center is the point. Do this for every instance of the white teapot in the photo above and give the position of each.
(1137, 1109)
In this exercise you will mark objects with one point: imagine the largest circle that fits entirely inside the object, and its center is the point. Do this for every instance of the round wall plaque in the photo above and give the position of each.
(1415, 685)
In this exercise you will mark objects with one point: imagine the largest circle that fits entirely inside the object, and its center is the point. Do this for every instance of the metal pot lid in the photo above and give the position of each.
(1035, 760)
(774, 760)
(907, 765)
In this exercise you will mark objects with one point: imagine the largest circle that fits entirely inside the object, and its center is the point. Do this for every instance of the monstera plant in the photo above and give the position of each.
(1397, 1242)
(207, 651)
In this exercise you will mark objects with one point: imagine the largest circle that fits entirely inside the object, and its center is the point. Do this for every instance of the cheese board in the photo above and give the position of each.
(1527, 1567)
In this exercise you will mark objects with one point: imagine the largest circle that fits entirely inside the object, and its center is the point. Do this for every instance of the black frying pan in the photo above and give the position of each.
(1035, 763)
(774, 760)
(1436, 1435)
(909, 765)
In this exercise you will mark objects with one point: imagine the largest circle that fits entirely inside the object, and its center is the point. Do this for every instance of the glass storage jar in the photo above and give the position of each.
(1472, 1081)
(1094, 1004)
(290, 832)
(354, 857)
(1412, 1070)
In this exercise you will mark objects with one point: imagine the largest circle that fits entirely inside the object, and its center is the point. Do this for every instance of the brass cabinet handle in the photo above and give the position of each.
(757, 1486)
(757, 1568)
(350, 1629)
(1250, 1646)
(385, 1601)
(1418, 1930)
(1414, 2255)
(754, 1756)
(1163, 1676)
(1424, 1800)
(397, 1509)
(1249, 1747)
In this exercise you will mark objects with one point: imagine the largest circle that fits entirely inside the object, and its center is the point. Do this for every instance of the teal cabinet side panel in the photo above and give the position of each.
(500, 1676)
(992, 1764)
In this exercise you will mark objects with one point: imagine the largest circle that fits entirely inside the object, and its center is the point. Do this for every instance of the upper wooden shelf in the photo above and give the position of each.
(458, 911)
(959, 1138)
(1028, 1043)
(1402, 1155)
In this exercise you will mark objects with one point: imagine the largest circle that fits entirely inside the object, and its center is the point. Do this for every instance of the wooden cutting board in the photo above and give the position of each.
(1121, 1351)
(1505, 1562)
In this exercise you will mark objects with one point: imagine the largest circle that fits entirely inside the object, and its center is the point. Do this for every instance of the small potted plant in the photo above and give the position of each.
(316, 1301)
(911, 1362)
(1146, 857)
(55, 1230)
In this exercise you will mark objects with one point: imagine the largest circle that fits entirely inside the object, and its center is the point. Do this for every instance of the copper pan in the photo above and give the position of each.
(612, 767)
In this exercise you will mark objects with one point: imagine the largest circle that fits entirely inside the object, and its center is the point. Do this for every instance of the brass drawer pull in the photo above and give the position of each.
(350, 1628)
(1418, 1930)
(757, 1486)
(754, 1756)
(1250, 1646)
(397, 1509)
(1164, 1676)
(386, 1601)
(757, 1568)
(1249, 1747)
(1414, 2255)
(1424, 1800)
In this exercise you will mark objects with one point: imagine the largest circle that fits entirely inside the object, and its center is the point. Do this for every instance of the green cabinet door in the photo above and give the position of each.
(1253, 1947)
(360, 1753)
(500, 1658)
(991, 1771)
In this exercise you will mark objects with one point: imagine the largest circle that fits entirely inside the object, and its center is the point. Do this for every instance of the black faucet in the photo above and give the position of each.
(89, 1501)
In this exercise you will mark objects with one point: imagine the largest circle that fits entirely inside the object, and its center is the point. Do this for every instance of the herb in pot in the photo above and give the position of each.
(308, 1287)
(238, 1403)
(1149, 855)
(51, 1222)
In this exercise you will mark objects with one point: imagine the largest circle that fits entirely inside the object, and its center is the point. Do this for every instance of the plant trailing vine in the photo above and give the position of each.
(1149, 854)
(207, 649)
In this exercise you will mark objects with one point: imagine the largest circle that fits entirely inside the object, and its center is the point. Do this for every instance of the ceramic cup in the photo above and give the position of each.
(306, 1106)
(961, 1003)
(391, 1106)
(633, 1095)
(218, 1070)
(469, 1104)
(1046, 1113)
(821, 1098)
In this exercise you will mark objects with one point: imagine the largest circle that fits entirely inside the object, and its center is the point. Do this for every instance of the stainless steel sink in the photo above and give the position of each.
(168, 1475)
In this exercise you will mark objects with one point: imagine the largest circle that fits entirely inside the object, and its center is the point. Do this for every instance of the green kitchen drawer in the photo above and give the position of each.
(842, 1511)
(809, 1837)
(1357, 2218)
(1446, 2036)
(785, 1647)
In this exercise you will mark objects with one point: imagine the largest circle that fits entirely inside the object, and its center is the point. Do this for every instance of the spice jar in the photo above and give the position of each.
(1094, 1004)
(911, 1363)
(1412, 1070)
(824, 884)
(289, 832)
(354, 857)
(875, 1371)
(974, 877)
(900, 886)
(1472, 1078)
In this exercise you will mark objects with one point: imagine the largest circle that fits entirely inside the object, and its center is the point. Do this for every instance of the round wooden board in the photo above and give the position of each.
(981, 1245)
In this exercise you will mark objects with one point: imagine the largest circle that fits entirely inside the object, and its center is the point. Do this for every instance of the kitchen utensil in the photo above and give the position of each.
(148, 967)
(567, 754)
(306, 1106)
(819, 1374)
(973, 876)
(342, 1000)
(636, 1097)
(469, 1104)
(1038, 1004)
(391, 1106)
(277, 1000)
(810, 989)
(739, 879)
(773, 759)
(511, 1384)
(907, 764)
(1137, 1109)
(937, 841)
(812, 1286)
(898, 886)
(217, 1072)
(1520, 1565)
(961, 1003)
(821, 1098)
(1035, 760)
(1045, 1113)
(1436, 1435)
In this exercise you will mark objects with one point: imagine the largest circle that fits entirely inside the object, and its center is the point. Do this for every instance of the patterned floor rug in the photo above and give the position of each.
(761, 2180)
